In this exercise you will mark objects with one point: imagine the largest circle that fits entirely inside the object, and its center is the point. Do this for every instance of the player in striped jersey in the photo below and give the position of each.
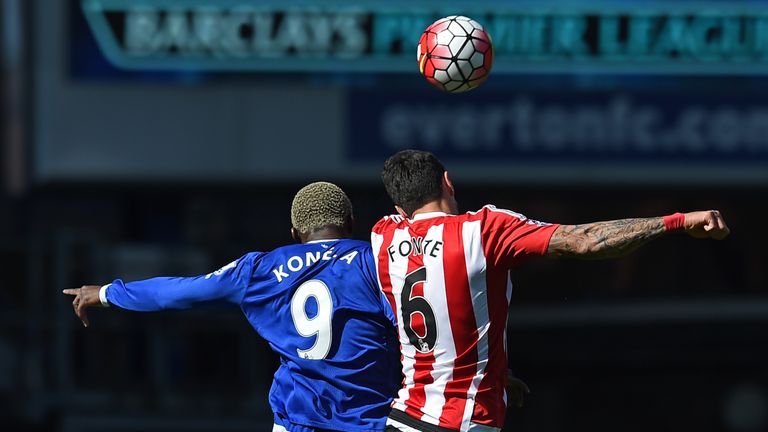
(446, 276)
(318, 305)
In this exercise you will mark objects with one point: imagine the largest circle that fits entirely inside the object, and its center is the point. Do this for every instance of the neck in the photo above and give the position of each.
(325, 234)
(434, 206)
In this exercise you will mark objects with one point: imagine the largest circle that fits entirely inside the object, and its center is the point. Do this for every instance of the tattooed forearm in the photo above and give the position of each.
(604, 239)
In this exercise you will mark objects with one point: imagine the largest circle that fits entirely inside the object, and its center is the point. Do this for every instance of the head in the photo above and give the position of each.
(416, 180)
(321, 210)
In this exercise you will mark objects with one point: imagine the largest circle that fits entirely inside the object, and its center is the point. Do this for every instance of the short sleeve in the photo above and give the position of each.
(509, 238)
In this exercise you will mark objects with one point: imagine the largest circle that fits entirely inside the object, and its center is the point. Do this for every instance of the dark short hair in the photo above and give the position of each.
(413, 178)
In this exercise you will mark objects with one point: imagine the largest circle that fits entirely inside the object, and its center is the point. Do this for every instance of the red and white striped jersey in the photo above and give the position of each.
(447, 280)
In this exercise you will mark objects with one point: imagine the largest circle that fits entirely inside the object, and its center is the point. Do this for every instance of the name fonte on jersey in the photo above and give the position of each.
(298, 262)
(415, 246)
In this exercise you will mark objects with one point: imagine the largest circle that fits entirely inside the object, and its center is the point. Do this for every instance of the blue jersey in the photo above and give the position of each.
(319, 307)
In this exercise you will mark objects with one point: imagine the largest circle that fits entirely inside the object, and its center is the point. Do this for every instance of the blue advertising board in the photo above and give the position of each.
(612, 129)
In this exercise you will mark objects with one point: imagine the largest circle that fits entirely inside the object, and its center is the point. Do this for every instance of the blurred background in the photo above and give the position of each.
(159, 137)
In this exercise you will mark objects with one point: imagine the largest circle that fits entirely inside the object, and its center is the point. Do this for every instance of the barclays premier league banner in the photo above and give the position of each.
(655, 37)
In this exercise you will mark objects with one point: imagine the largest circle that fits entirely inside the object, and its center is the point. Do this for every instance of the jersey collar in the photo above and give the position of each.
(428, 215)
(321, 241)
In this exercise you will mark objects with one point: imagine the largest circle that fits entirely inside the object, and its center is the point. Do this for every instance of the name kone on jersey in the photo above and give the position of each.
(297, 262)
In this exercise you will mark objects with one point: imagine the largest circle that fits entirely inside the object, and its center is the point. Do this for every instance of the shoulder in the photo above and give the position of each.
(252, 260)
(355, 243)
(492, 213)
(274, 256)
(249, 258)
(253, 256)
(387, 223)
(359, 245)
(278, 251)
(492, 219)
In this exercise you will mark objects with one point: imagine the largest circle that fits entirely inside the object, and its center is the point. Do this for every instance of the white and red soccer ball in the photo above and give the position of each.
(455, 54)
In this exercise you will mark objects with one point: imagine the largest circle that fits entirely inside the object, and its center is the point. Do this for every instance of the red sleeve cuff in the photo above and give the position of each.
(548, 237)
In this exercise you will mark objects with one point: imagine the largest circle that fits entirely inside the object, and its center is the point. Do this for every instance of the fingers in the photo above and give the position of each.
(80, 311)
(521, 392)
(721, 224)
(79, 304)
(516, 396)
(516, 391)
(717, 227)
(708, 223)
(84, 318)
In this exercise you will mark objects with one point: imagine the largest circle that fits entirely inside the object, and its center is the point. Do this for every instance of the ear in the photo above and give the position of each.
(401, 212)
(448, 184)
(295, 235)
(351, 224)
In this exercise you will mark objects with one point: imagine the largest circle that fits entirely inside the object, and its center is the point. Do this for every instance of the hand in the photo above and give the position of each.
(516, 391)
(85, 297)
(706, 224)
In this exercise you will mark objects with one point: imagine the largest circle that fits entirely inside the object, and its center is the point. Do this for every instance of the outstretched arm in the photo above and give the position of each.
(619, 237)
(226, 284)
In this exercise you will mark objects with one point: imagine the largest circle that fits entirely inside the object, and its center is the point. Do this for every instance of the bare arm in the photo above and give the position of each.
(619, 237)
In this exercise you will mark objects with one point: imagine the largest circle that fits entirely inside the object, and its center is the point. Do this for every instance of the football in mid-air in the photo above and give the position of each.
(455, 54)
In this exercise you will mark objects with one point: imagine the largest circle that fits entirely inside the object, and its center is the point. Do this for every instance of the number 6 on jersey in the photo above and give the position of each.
(320, 324)
(413, 305)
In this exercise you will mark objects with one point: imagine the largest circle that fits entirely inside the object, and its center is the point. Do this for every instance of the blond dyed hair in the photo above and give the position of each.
(318, 205)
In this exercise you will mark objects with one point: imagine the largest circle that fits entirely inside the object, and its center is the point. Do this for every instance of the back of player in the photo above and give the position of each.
(319, 307)
(447, 279)
(317, 303)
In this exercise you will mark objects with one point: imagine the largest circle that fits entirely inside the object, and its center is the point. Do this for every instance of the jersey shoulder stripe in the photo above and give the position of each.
(387, 222)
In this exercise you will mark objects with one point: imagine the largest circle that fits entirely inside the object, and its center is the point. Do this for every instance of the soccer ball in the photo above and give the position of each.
(455, 54)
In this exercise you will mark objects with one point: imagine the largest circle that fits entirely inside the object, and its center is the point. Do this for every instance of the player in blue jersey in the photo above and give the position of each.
(317, 304)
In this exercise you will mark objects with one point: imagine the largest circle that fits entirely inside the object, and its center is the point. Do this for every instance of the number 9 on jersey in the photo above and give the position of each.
(319, 325)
